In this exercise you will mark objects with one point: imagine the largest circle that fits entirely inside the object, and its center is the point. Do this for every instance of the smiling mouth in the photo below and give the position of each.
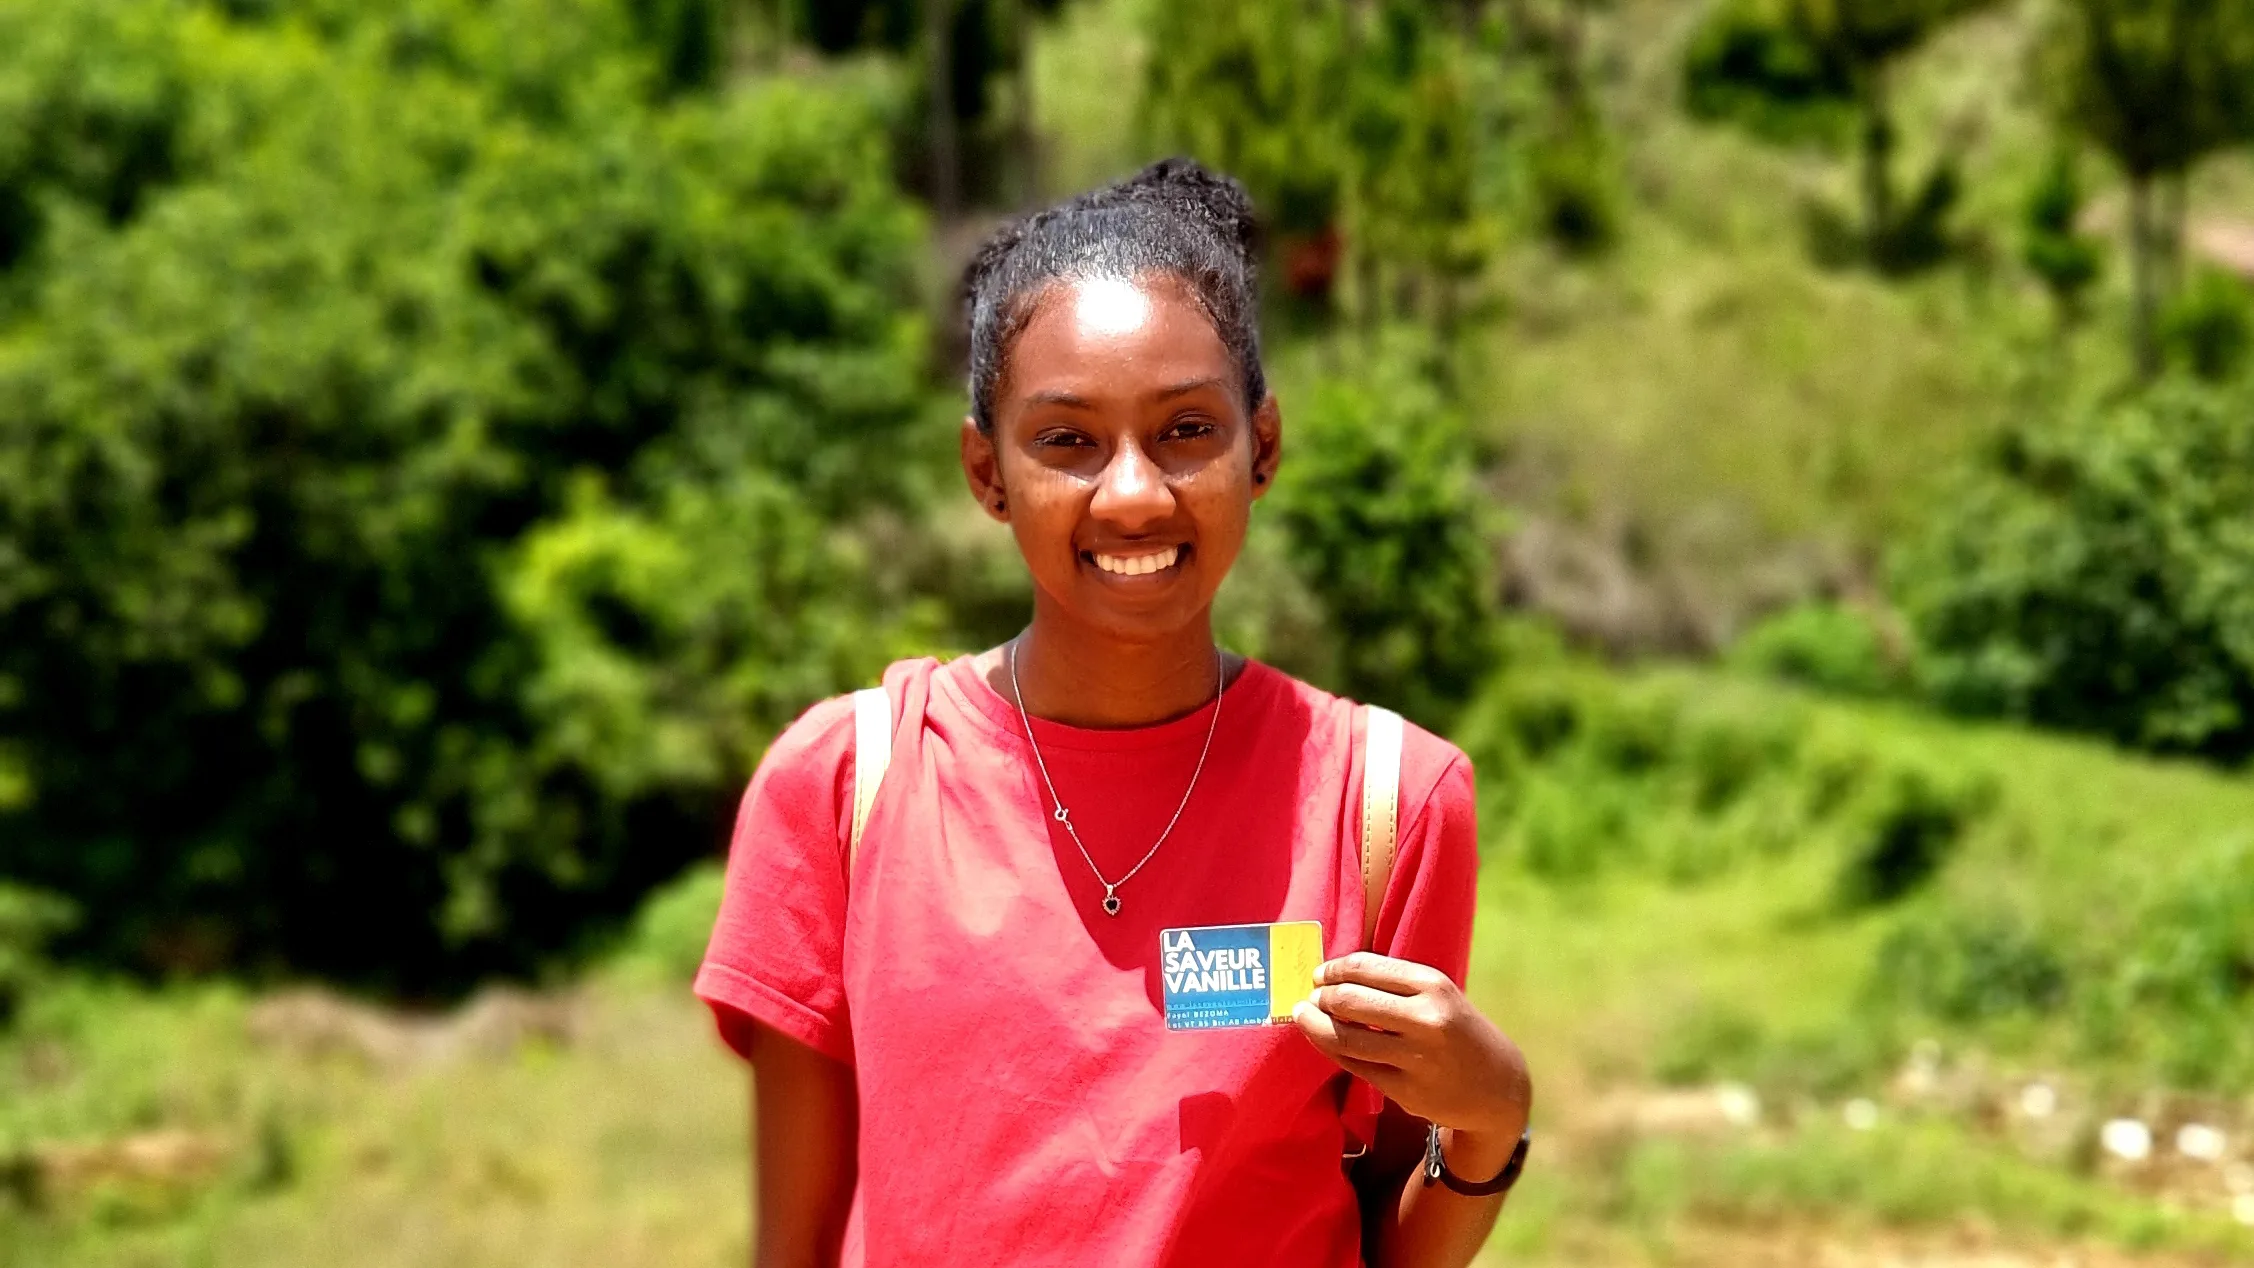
(1137, 565)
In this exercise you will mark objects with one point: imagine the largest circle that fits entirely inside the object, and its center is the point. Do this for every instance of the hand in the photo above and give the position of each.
(1409, 1031)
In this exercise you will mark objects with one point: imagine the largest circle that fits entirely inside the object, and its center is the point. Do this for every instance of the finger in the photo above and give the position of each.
(1342, 1041)
(1351, 1001)
(1381, 972)
(1384, 1078)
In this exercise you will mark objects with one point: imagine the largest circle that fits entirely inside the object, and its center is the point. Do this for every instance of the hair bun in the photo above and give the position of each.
(1193, 190)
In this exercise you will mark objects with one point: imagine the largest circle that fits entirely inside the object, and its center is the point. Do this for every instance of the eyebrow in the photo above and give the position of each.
(1185, 387)
(1070, 400)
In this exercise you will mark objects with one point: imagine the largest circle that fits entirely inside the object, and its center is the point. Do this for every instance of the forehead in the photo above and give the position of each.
(1104, 337)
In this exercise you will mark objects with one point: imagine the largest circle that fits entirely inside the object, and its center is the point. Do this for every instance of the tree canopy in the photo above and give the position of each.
(350, 359)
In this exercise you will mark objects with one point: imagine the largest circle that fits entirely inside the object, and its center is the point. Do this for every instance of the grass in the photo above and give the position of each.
(624, 1148)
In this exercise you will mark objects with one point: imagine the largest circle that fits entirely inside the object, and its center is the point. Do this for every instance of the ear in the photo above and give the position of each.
(1267, 445)
(982, 470)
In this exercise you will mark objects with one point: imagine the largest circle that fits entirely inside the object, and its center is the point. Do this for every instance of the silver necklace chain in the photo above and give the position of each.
(1061, 815)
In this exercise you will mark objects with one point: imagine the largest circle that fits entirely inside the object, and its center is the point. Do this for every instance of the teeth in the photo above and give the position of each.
(1137, 565)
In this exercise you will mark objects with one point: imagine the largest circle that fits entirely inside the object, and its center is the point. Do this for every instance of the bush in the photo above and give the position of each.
(1820, 645)
(1391, 533)
(2208, 329)
(1969, 967)
(1916, 819)
(1749, 65)
(670, 932)
(2100, 577)
(1583, 773)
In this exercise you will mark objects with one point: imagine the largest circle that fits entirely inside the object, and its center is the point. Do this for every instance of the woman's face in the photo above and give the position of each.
(1122, 455)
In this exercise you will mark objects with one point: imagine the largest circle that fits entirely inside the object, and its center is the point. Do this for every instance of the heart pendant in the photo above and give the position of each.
(1111, 904)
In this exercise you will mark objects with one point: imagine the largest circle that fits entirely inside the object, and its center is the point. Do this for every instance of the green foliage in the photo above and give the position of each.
(1916, 818)
(2099, 576)
(2208, 329)
(1252, 88)
(2173, 989)
(1388, 530)
(401, 507)
(91, 100)
(1970, 967)
(2055, 249)
(1585, 776)
(2160, 84)
(1746, 64)
(1824, 645)
(1794, 68)
(29, 920)
(669, 933)
(1381, 120)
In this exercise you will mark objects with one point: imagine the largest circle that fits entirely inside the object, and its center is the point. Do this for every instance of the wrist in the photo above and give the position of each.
(1478, 1156)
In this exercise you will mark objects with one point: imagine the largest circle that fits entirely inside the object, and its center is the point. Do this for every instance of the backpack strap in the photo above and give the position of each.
(1362, 1104)
(1381, 811)
(872, 752)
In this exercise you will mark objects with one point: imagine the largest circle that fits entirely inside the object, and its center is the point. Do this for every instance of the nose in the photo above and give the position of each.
(1132, 492)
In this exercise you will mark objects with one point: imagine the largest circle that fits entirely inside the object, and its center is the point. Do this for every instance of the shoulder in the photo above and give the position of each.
(820, 742)
(820, 738)
(1434, 772)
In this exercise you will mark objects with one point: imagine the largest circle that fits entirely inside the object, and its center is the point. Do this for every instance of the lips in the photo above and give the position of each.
(1137, 565)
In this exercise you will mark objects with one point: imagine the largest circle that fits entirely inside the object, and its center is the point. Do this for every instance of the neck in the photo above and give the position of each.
(1082, 677)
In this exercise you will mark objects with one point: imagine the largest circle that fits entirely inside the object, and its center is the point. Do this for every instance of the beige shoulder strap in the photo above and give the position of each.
(872, 752)
(1381, 810)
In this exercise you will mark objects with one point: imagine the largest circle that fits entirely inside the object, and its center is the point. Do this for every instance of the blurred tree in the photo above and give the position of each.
(1786, 66)
(1411, 150)
(2161, 84)
(2099, 575)
(412, 523)
(1359, 129)
(2055, 249)
(90, 118)
(1254, 89)
(962, 48)
(1570, 151)
(1387, 526)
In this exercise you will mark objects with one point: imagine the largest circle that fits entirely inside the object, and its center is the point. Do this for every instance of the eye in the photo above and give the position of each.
(1061, 439)
(1191, 428)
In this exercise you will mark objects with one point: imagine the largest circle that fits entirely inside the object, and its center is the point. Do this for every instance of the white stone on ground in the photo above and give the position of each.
(2126, 1139)
(2202, 1143)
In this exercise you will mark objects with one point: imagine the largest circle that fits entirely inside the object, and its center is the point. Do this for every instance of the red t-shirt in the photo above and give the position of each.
(1022, 1101)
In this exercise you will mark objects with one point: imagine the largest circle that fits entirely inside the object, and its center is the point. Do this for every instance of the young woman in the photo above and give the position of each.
(955, 1019)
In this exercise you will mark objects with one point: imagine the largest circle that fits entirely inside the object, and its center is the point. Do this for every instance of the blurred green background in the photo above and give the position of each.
(1802, 449)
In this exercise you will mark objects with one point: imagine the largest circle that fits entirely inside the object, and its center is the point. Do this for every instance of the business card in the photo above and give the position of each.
(1222, 976)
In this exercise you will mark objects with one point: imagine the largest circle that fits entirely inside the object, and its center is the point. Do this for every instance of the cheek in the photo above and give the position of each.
(1044, 516)
(1222, 509)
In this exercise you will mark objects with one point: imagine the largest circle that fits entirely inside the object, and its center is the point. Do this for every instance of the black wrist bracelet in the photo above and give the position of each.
(1436, 1167)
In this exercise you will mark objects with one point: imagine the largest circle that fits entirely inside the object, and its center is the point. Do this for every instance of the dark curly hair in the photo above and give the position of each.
(1174, 217)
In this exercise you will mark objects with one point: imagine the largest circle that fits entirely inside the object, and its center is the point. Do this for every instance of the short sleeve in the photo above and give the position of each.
(777, 950)
(1434, 893)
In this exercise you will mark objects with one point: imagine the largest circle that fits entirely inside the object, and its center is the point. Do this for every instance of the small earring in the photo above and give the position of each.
(1259, 479)
(1001, 505)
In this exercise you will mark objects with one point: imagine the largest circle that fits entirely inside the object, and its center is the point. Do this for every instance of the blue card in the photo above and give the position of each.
(1221, 976)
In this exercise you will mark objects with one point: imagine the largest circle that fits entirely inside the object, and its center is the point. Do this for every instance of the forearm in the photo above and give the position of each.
(804, 1155)
(1437, 1227)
